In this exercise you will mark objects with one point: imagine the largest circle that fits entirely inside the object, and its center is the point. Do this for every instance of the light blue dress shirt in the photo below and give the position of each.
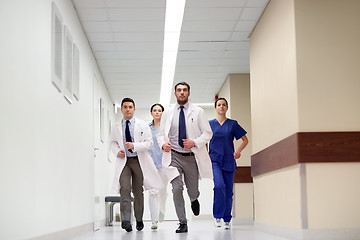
(131, 128)
(155, 152)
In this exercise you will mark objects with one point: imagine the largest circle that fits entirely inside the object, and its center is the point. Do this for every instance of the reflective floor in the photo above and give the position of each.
(198, 230)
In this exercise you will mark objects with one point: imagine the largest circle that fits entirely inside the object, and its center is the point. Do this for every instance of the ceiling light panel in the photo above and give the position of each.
(216, 3)
(208, 26)
(251, 13)
(137, 26)
(208, 14)
(136, 14)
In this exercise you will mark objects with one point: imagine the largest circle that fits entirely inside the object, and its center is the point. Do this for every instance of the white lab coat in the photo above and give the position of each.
(197, 129)
(142, 143)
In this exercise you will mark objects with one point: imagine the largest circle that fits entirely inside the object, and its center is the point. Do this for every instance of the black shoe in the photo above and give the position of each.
(126, 225)
(182, 228)
(139, 225)
(195, 207)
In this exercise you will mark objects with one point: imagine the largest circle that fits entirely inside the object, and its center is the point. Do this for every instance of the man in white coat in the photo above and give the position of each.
(183, 135)
(130, 141)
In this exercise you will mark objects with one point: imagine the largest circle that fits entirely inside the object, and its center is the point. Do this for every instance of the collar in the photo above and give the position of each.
(151, 123)
(132, 121)
(186, 106)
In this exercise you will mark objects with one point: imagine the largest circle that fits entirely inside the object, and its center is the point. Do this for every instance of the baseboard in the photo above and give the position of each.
(242, 221)
(309, 234)
(333, 234)
(70, 233)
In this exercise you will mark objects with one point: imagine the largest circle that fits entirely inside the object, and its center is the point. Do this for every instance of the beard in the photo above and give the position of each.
(182, 101)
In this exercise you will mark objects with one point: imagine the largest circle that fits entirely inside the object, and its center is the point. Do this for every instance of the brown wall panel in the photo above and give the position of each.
(329, 147)
(243, 175)
(277, 156)
(307, 147)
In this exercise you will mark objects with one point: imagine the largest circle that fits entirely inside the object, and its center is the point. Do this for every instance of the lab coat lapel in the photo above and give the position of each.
(190, 111)
(189, 118)
(120, 140)
(168, 123)
(136, 132)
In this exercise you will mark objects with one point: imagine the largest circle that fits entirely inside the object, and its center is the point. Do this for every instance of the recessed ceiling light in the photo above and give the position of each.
(173, 21)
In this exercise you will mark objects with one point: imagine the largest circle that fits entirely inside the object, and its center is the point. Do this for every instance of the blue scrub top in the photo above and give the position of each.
(221, 147)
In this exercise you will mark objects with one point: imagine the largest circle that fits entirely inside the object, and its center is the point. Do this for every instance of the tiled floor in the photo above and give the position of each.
(198, 230)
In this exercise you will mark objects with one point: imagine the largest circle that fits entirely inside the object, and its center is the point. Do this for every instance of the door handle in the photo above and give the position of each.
(95, 149)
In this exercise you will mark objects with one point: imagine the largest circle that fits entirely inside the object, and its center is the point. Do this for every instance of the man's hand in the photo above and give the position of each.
(167, 147)
(188, 144)
(121, 154)
(129, 145)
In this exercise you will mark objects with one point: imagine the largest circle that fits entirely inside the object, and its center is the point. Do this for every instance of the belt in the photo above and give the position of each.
(132, 157)
(183, 153)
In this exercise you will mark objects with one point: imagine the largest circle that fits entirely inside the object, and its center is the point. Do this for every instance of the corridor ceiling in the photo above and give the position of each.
(126, 37)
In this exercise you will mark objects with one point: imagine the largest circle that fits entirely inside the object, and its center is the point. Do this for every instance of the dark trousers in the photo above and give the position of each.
(188, 169)
(131, 179)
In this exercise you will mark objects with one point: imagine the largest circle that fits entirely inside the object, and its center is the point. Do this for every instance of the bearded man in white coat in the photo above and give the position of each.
(183, 135)
(130, 141)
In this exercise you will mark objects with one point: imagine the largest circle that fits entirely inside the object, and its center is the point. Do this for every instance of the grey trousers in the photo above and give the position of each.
(131, 179)
(188, 169)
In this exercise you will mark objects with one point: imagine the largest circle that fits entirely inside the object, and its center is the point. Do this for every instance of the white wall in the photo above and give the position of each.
(338, 182)
(241, 112)
(328, 65)
(47, 164)
(274, 106)
(305, 78)
(277, 198)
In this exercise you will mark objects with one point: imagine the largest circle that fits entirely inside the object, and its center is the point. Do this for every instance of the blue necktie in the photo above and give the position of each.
(182, 127)
(127, 134)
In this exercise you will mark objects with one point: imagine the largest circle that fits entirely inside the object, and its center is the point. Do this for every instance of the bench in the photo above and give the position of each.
(110, 202)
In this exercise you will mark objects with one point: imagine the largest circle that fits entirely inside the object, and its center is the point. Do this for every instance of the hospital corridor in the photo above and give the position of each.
(245, 111)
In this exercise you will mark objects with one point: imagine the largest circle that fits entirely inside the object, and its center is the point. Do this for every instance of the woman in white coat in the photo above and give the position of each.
(157, 198)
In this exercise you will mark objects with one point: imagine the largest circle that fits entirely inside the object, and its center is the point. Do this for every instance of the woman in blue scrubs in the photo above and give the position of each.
(223, 155)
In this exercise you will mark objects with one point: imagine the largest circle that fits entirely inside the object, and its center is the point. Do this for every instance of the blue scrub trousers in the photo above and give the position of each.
(223, 192)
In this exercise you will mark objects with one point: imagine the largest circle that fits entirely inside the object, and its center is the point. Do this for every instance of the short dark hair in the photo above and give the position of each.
(157, 104)
(127, 100)
(183, 83)
(221, 99)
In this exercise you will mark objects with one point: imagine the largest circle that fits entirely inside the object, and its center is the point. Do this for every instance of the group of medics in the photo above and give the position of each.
(179, 146)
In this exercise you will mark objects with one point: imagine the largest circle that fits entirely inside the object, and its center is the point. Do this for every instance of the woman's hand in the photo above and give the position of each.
(237, 154)
(167, 147)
